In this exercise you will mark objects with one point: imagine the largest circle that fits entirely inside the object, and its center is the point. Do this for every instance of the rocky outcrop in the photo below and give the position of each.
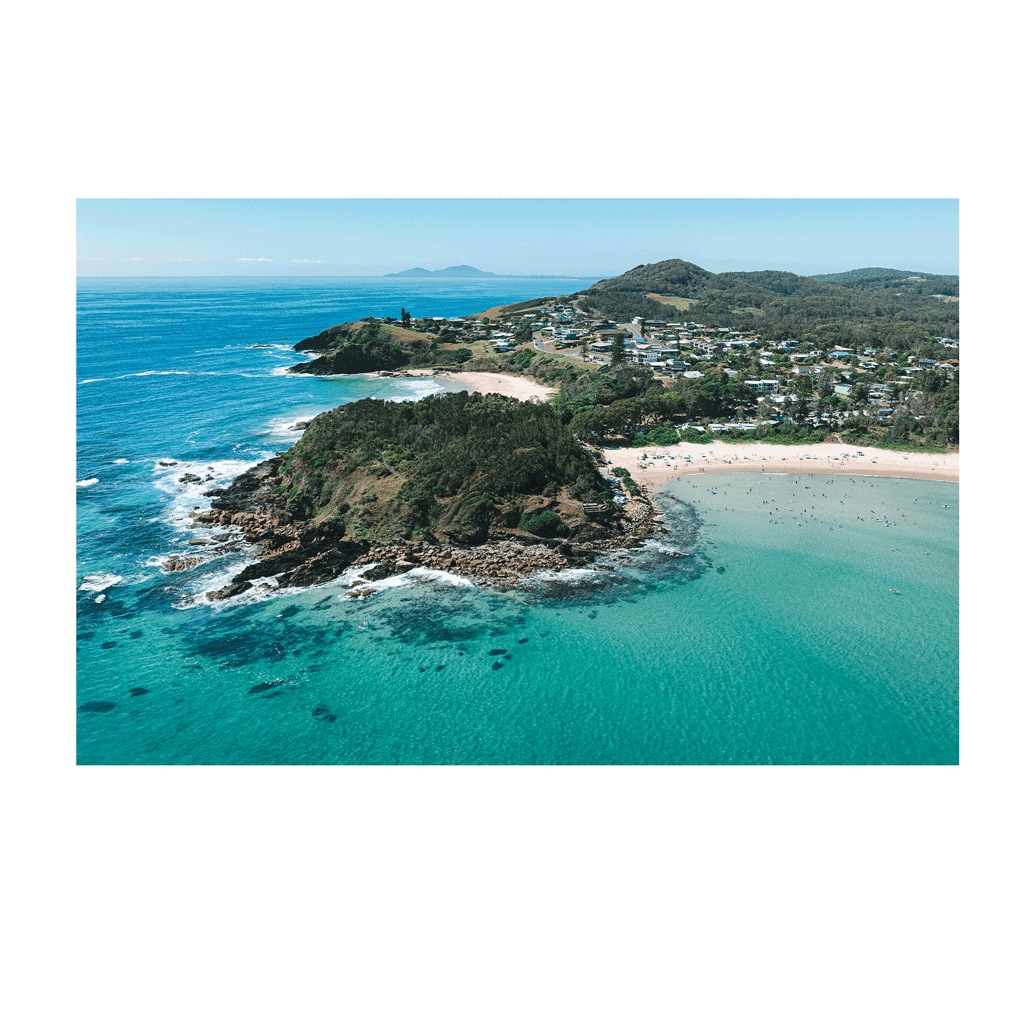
(299, 551)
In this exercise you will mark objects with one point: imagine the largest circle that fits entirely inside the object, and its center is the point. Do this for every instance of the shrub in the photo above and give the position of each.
(547, 523)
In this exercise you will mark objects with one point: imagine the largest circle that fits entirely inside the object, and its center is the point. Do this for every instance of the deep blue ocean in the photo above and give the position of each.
(774, 641)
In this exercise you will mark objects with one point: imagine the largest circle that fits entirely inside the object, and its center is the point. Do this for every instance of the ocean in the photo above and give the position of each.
(782, 619)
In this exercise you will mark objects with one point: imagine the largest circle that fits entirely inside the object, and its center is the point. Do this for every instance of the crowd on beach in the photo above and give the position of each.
(655, 467)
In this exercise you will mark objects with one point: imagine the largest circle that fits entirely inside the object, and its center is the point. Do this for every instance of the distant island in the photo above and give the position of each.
(456, 271)
(464, 271)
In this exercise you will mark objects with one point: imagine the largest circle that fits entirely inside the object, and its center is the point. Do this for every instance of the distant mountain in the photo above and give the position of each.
(457, 271)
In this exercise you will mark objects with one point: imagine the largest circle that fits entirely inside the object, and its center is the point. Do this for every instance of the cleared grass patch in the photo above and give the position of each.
(679, 302)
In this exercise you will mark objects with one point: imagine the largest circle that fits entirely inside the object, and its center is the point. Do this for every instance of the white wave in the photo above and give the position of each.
(656, 546)
(582, 575)
(147, 374)
(120, 460)
(285, 427)
(186, 497)
(418, 389)
(97, 583)
(354, 581)
(86, 482)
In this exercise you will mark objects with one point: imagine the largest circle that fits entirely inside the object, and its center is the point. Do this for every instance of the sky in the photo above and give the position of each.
(586, 237)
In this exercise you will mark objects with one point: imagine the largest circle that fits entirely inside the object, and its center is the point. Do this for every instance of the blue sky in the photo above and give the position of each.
(518, 237)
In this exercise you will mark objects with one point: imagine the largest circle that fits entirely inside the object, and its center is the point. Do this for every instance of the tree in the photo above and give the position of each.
(405, 318)
(617, 353)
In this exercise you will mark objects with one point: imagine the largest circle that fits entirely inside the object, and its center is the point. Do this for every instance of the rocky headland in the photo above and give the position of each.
(490, 489)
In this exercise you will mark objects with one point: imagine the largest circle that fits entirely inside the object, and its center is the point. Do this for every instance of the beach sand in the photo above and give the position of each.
(488, 382)
(664, 463)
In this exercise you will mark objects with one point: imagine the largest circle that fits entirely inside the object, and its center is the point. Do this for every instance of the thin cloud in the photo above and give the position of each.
(305, 260)
(268, 259)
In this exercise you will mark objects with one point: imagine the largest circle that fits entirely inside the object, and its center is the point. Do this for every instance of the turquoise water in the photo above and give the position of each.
(760, 629)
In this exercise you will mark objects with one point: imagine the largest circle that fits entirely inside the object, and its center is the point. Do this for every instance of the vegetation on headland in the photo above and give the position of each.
(450, 465)
(369, 345)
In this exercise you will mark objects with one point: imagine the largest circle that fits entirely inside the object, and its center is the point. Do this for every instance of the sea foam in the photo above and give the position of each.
(97, 583)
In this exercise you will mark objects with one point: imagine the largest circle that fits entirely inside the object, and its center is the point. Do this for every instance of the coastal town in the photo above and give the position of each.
(790, 380)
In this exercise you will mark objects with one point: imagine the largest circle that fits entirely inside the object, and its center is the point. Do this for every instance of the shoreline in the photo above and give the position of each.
(514, 386)
(664, 464)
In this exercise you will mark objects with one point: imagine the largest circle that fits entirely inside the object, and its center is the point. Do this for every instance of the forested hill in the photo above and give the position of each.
(890, 278)
(453, 464)
(876, 305)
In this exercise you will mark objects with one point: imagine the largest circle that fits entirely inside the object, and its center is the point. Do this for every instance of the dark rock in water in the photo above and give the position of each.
(522, 641)
(167, 463)
(440, 667)
(188, 477)
(108, 646)
(268, 695)
(591, 614)
(319, 710)
(496, 653)
(85, 635)
(300, 426)
(136, 634)
(331, 718)
(497, 665)
(229, 591)
(265, 686)
(721, 570)
(97, 707)
(138, 691)
(385, 569)
(319, 567)
(508, 656)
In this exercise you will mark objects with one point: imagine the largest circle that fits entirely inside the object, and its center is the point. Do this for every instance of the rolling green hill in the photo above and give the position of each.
(872, 306)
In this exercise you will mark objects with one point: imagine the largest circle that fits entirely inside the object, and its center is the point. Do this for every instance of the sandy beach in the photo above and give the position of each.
(488, 382)
(655, 467)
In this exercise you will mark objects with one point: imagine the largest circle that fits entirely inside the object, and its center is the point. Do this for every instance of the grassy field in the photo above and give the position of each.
(679, 302)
